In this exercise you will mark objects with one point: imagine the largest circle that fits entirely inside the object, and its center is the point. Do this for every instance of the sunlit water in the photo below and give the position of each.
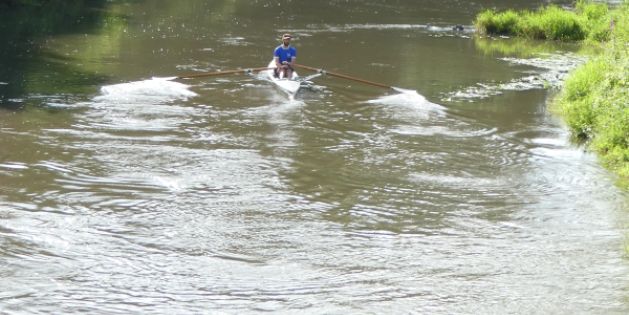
(222, 195)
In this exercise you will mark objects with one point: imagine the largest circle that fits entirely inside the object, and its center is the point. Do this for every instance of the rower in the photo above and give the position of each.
(284, 56)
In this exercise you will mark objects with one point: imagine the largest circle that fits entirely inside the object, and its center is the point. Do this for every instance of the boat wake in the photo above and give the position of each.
(279, 111)
(155, 90)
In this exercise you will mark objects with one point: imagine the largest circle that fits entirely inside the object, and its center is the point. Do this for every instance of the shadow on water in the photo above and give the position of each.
(25, 68)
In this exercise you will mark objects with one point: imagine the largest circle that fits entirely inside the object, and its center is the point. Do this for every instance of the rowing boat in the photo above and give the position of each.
(290, 86)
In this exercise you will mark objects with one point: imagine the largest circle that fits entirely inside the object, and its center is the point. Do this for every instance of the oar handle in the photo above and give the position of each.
(345, 76)
(209, 74)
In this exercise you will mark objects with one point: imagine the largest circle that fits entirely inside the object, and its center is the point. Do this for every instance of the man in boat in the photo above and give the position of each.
(284, 57)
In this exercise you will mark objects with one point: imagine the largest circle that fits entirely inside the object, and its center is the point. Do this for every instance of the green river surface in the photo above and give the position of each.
(122, 192)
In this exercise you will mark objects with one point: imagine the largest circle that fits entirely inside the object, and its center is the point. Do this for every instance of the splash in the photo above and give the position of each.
(156, 90)
(409, 99)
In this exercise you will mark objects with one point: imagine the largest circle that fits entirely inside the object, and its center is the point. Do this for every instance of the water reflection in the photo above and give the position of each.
(221, 194)
(27, 68)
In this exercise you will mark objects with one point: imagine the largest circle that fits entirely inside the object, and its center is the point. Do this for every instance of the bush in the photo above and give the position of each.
(490, 22)
(561, 24)
(595, 105)
(596, 17)
(576, 102)
(592, 11)
(549, 22)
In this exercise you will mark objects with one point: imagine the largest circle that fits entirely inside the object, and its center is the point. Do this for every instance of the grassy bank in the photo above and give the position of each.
(595, 98)
(588, 21)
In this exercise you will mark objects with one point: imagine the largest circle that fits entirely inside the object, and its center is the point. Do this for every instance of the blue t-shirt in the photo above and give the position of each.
(285, 54)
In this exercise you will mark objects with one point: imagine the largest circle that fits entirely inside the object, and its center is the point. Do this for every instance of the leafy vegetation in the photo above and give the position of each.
(587, 21)
(595, 98)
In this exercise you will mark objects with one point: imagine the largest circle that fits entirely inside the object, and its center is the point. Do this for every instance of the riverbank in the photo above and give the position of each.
(594, 100)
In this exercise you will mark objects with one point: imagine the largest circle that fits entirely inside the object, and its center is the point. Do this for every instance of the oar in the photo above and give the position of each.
(344, 76)
(209, 74)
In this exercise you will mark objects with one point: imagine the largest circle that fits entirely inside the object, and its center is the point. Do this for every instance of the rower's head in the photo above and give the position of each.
(286, 39)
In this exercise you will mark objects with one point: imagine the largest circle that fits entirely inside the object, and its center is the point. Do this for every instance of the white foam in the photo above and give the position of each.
(408, 98)
(550, 72)
(14, 166)
(155, 90)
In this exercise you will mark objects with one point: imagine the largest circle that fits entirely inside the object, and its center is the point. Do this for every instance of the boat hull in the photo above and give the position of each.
(290, 86)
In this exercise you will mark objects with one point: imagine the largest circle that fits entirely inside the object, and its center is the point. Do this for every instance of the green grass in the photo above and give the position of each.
(594, 101)
(595, 105)
(588, 21)
(595, 98)
(491, 22)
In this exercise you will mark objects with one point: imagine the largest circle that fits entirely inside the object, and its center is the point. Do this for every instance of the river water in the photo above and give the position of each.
(121, 193)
